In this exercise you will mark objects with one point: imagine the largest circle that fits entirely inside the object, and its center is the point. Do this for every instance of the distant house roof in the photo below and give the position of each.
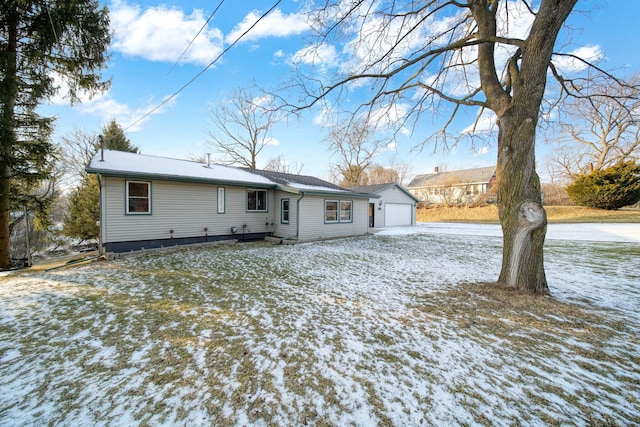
(142, 166)
(377, 188)
(464, 176)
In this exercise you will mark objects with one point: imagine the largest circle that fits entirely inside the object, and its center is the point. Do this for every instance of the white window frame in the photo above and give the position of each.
(221, 200)
(336, 211)
(339, 211)
(283, 210)
(128, 198)
(350, 211)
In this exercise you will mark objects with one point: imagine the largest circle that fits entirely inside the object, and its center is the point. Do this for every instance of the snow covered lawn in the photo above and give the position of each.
(400, 328)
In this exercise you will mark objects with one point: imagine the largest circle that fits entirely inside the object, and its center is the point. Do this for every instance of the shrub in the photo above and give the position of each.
(610, 188)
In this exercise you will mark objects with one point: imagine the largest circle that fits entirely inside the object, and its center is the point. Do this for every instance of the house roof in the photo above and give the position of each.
(378, 188)
(142, 166)
(296, 181)
(464, 176)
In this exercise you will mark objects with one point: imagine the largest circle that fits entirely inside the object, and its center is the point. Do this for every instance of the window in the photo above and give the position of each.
(330, 211)
(345, 211)
(257, 200)
(220, 199)
(138, 197)
(284, 211)
(338, 211)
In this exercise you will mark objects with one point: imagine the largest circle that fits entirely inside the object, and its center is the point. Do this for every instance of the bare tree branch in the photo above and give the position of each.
(241, 127)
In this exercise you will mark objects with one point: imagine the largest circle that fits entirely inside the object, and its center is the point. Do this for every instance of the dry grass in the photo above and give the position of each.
(366, 331)
(558, 214)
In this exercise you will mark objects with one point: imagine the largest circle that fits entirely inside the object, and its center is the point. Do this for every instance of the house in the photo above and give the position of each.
(393, 206)
(454, 187)
(150, 202)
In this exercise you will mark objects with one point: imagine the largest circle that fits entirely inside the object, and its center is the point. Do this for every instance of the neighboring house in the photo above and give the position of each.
(150, 202)
(455, 187)
(394, 205)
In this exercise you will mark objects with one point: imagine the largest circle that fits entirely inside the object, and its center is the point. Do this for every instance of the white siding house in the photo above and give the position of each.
(390, 205)
(149, 202)
(453, 187)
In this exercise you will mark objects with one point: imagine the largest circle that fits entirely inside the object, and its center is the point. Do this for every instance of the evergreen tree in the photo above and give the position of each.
(611, 188)
(40, 41)
(84, 210)
(84, 204)
(114, 139)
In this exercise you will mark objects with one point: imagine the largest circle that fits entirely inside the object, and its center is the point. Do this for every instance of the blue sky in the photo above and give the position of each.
(149, 37)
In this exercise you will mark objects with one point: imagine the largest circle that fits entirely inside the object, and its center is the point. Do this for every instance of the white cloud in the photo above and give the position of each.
(323, 118)
(389, 116)
(482, 151)
(271, 141)
(61, 96)
(275, 24)
(484, 124)
(162, 33)
(392, 146)
(108, 108)
(570, 64)
(325, 55)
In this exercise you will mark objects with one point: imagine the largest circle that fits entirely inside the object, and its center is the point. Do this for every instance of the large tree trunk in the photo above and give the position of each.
(8, 94)
(523, 219)
(517, 105)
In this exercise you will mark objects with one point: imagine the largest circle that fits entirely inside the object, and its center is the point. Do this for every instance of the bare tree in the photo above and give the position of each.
(599, 131)
(355, 145)
(280, 164)
(466, 53)
(403, 169)
(380, 175)
(78, 148)
(450, 191)
(241, 127)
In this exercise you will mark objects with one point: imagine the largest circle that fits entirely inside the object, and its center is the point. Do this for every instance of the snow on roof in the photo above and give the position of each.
(132, 164)
(120, 163)
(301, 182)
(377, 188)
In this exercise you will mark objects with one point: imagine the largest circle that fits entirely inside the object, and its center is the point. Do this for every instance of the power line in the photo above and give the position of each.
(55, 33)
(195, 37)
(228, 48)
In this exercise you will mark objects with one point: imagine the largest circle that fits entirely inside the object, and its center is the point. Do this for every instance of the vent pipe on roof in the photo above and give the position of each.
(101, 138)
(208, 160)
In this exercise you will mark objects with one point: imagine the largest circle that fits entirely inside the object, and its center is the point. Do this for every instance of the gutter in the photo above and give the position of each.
(177, 178)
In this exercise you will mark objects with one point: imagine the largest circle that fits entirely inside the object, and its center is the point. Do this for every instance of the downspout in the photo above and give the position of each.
(298, 216)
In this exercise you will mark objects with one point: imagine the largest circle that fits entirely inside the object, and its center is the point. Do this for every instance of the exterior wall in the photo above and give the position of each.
(454, 194)
(392, 195)
(314, 227)
(282, 230)
(185, 208)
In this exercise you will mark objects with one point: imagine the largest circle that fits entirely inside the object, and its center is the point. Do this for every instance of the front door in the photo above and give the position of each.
(372, 210)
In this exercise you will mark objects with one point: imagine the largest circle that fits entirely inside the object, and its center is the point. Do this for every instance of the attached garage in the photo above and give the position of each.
(390, 205)
(398, 214)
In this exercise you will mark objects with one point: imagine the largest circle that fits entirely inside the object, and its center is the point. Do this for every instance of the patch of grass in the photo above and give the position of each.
(555, 214)
(538, 329)
(317, 334)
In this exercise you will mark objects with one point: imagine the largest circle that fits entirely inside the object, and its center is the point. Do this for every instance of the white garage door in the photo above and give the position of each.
(397, 214)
